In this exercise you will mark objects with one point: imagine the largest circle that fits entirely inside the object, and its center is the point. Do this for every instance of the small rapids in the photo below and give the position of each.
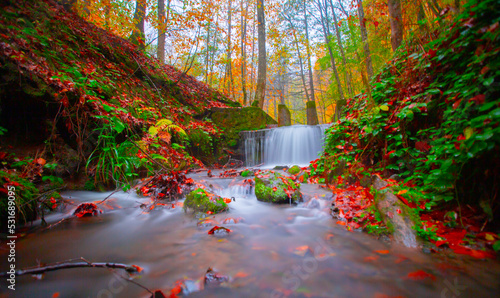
(272, 251)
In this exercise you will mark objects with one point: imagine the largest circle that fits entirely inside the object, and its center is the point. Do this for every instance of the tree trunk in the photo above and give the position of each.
(339, 41)
(229, 66)
(260, 91)
(396, 20)
(160, 51)
(326, 34)
(138, 37)
(243, 50)
(284, 117)
(213, 49)
(207, 54)
(364, 38)
(308, 49)
(300, 61)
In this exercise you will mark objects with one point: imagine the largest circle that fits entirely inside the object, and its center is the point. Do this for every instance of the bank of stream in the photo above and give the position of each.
(273, 250)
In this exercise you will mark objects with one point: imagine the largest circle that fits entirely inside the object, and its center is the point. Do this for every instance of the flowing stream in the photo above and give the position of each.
(272, 251)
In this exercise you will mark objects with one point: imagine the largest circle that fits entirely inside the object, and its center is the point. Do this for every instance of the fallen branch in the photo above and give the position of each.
(68, 265)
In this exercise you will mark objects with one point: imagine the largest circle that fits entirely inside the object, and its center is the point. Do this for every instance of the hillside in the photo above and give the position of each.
(77, 102)
(432, 131)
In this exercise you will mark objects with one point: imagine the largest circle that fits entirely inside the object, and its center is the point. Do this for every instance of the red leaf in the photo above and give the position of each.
(422, 146)
(479, 254)
(421, 274)
(478, 99)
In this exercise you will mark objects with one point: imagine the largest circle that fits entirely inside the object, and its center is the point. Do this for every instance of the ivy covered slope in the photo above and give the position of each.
(67, 81)
(432, 127)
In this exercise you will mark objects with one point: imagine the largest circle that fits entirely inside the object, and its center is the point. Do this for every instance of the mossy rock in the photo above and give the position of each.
(234, 120)
(247, 173)
(294, 170)
(272, 191)
(200, 200)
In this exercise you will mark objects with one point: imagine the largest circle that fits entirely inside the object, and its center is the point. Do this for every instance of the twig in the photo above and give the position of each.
(108, 196)
(135, 283)
(69, 264)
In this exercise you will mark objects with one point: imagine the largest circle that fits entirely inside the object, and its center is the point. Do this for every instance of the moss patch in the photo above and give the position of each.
(200, 200)
(294, 170)
(234, 120)
(273, 190)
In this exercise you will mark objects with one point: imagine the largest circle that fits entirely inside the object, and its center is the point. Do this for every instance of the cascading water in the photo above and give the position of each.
(288, 145)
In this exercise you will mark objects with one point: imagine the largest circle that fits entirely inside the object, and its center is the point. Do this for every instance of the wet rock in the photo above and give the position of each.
(67, 160)
(213, 278)
(294, 170)
(280, 168)
(272, 190)
(219, 231)
(201, 200)
(399, 221)
(313, 204)
(87, 209)
(206, 223)
(229, 220)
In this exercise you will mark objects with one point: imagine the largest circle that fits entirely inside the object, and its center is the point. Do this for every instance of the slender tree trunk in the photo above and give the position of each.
(207, 54)
(138, 37)
(300, 60)
(308, 49)
(364, 38)
(213, 49)
(230, 84)
(260, 91)
(396, 20)
(252, 63)
(243, 50)
(326, 34)
(339, 41)
(160, 51)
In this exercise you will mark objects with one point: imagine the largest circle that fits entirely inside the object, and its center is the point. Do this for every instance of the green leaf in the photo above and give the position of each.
(496, 246)
(488, 81)
(384, 108)
(118, 125)
(107, 108)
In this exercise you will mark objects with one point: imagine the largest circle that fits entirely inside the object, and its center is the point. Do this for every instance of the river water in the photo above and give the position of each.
(272, 251)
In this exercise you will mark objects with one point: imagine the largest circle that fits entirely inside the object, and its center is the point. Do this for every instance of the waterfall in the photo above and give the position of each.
(287, 145)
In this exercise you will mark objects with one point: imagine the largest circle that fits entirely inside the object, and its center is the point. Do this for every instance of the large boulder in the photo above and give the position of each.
(396, 215)
(274, 190)
(234, 120)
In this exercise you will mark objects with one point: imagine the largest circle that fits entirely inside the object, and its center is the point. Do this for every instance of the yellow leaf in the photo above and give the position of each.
(468, 132)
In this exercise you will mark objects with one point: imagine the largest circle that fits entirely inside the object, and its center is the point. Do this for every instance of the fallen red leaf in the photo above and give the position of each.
(478, 254)
(421, 274)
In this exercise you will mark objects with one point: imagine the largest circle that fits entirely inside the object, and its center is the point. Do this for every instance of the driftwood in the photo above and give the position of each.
(69, 264)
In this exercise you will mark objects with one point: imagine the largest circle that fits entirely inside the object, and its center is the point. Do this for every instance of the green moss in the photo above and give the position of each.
(311, 104)
(234, 120)
(272, 190)
(200, 200)
(246, 173)
(294, 170)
